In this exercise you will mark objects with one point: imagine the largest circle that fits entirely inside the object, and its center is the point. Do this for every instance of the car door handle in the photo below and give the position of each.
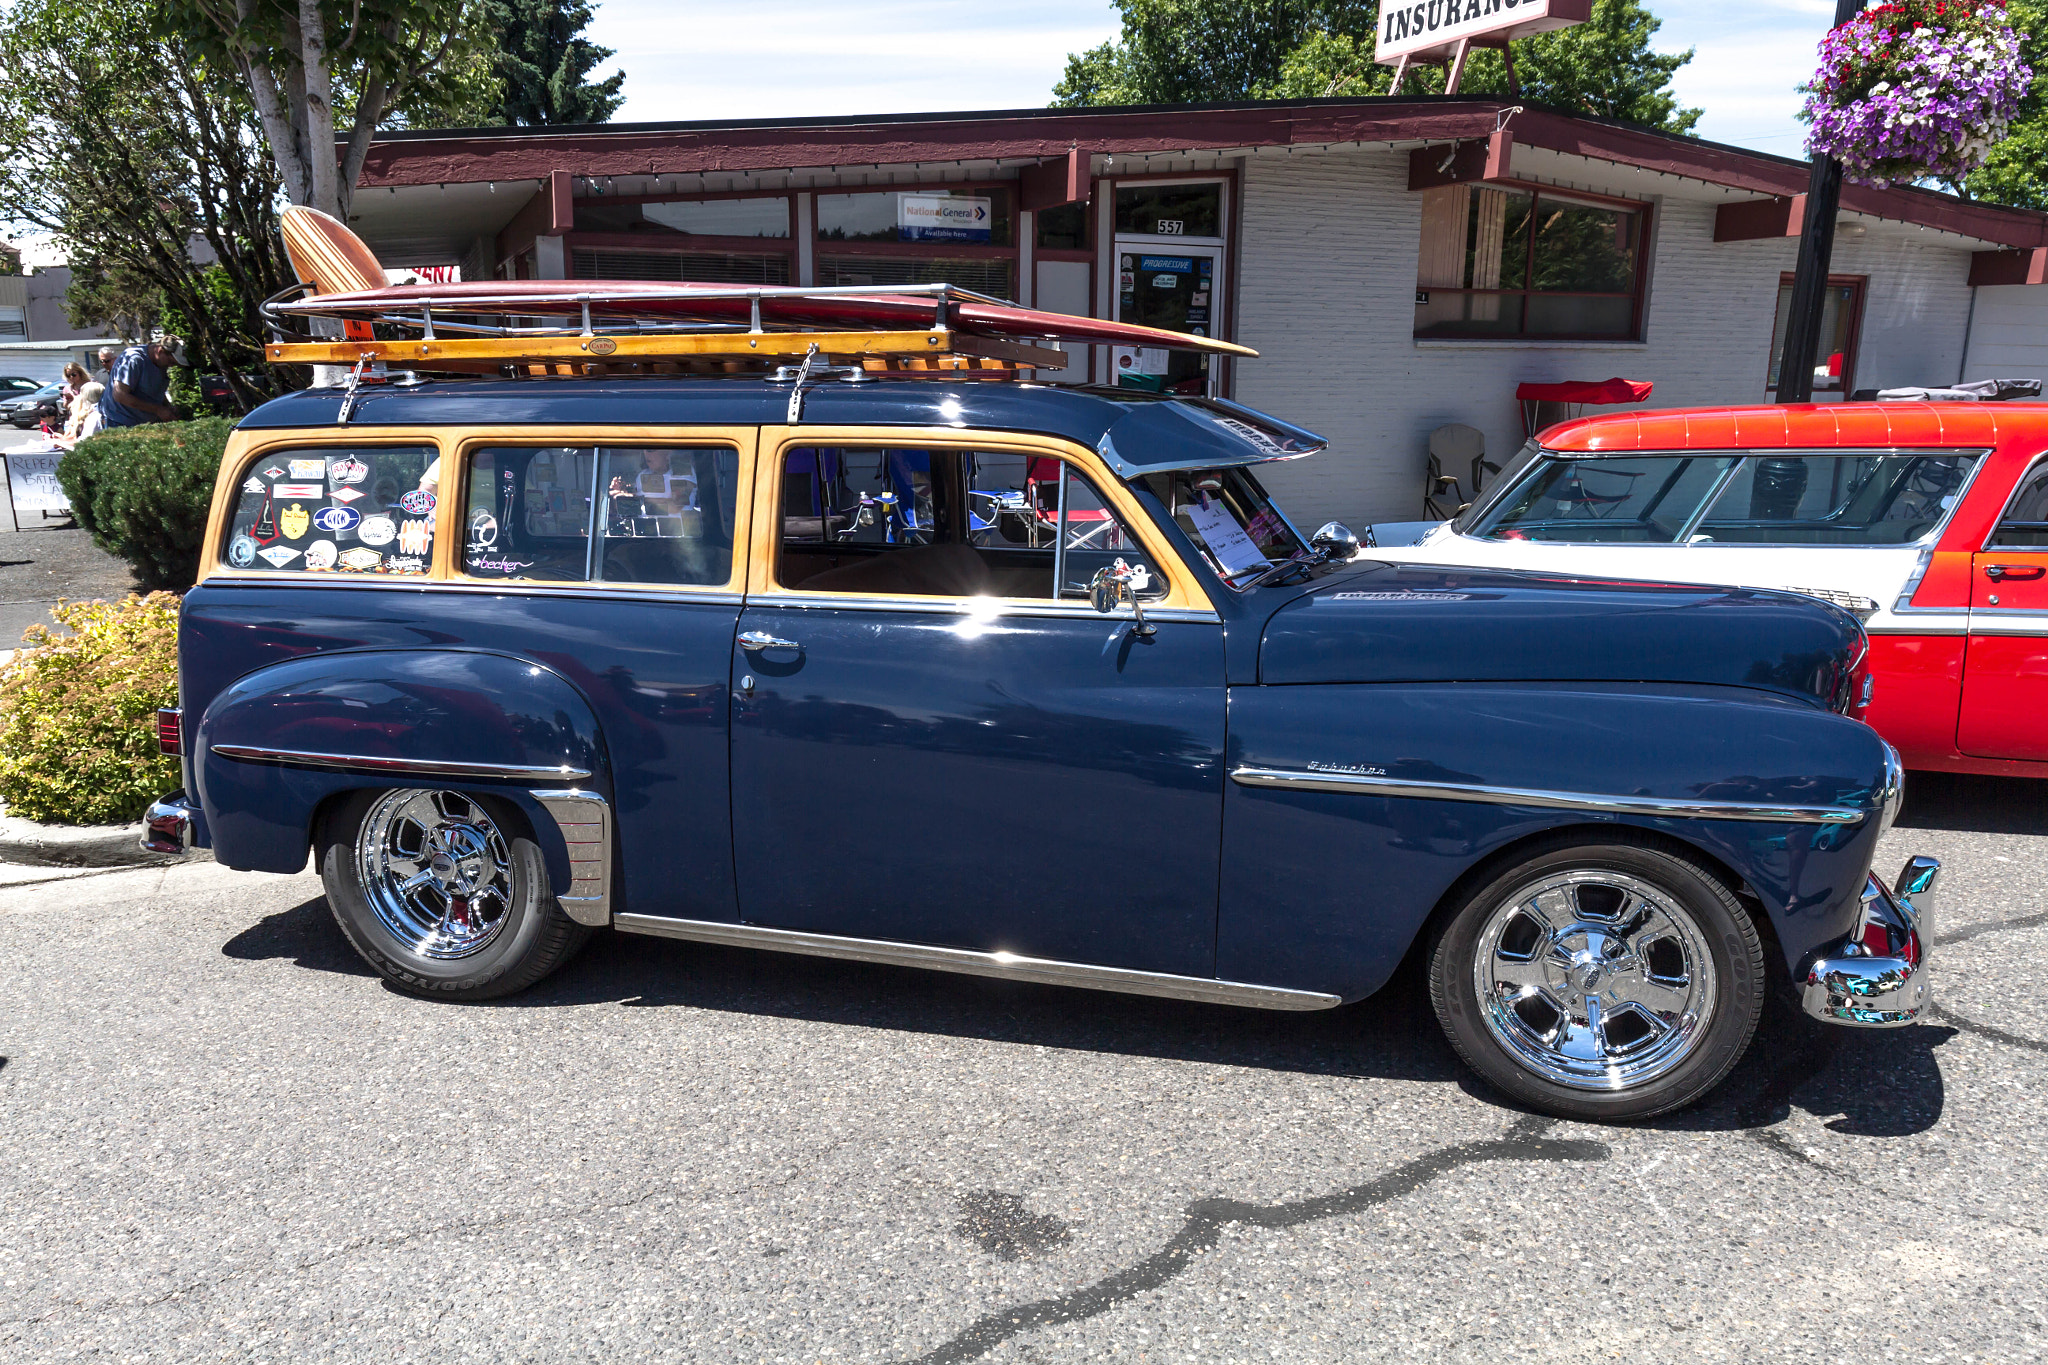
(755, 640)
(2022, 572)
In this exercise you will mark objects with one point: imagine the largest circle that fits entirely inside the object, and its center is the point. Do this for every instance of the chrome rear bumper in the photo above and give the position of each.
(173, 824)
(1877, 977)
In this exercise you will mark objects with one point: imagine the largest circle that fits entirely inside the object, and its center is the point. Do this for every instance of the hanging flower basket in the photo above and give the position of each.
(1919, 90)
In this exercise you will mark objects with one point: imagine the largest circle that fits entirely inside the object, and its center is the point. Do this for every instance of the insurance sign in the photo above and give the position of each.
(1428, 30)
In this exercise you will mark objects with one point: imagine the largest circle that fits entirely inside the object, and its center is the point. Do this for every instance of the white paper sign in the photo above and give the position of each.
(32, 482)
(1226, 540)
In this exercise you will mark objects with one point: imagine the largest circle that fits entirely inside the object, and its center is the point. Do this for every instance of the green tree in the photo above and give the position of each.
(1193, 51)
(146, 161)
(544, 64)
(314, 65)
(2014, 173)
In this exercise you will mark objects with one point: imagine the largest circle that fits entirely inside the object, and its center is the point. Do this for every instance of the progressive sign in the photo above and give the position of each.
(1430, 30)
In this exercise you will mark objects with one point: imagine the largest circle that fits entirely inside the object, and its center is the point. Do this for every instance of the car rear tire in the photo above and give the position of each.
(1600, 981)
(444, 894)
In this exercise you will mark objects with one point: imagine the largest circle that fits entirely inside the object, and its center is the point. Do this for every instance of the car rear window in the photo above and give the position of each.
(1793, 498)
(335, 509)
(663, 514)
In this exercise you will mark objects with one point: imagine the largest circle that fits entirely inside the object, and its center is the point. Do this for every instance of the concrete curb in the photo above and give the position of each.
(36, 845)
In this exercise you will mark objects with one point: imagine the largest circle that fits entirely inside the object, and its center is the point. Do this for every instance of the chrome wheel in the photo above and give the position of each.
(437, 871)
(1594, 979)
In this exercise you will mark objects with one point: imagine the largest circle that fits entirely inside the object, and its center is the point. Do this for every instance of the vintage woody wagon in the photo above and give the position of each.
(782, 627)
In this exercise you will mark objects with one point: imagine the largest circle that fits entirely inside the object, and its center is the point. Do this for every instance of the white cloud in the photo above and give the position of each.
(802, 58)
(1749, 57)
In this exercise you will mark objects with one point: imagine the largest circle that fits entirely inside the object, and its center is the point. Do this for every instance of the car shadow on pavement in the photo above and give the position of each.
(1978, 805)
(1865, 1083)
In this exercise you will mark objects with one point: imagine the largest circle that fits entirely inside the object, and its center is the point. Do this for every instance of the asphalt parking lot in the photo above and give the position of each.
(223, 1139)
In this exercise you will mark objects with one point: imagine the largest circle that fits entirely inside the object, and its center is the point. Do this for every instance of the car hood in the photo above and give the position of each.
(1380, 622)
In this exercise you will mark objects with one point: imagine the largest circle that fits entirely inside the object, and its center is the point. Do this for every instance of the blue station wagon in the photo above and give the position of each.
(1032, 682)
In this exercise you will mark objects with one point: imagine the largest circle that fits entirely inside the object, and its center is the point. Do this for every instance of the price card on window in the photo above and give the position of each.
(1226, 540)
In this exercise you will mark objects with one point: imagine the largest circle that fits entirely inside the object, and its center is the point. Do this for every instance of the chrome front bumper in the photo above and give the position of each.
(173, 824)
(1877, 977)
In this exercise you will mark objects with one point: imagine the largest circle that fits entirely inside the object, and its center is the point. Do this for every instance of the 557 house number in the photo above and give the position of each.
(1170, 227)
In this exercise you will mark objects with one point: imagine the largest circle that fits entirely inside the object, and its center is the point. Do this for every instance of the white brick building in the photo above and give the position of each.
(1399, 264)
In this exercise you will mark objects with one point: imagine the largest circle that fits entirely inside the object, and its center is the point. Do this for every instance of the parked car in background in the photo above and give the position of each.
(45, 404)
(1928, 521)
(14, 385)
(897, 659)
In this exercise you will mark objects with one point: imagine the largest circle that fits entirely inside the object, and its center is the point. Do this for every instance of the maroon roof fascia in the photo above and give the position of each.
(691, 149)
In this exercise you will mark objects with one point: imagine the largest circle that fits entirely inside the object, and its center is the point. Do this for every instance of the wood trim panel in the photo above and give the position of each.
(1757, 220)
(2023, 265)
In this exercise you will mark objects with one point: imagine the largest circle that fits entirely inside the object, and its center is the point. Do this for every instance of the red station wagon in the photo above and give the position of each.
(1928, 520)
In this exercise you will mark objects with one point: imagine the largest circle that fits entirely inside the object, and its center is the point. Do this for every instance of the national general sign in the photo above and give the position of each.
(1429, 30)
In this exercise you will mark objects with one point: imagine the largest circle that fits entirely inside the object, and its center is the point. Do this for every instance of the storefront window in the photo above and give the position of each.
(1063, 227)
(762, 217)
(1149, 210)
(1501, 262)
(702, 267)
(982, 274)
(972, 216)
(1834, 363)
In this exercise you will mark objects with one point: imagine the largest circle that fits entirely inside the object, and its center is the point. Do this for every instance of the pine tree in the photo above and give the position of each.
(545, 64)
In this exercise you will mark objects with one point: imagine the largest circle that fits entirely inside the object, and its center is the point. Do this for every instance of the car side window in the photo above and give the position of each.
(335, 509)
(1834, 498)
(2025, 523)
(947, 523)
(601, 514)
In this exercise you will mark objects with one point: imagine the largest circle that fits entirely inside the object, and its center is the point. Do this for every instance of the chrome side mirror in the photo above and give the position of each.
(1111, 588)
(1334, 541)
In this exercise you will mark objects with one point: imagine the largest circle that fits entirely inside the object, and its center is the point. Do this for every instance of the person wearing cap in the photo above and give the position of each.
(140, 391)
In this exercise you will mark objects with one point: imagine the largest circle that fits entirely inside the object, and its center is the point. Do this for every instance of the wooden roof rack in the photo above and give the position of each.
(619, 327)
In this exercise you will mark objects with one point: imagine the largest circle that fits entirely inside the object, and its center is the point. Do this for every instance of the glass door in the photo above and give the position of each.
(1174, 288)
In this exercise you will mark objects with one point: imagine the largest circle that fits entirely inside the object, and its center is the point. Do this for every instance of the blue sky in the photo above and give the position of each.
(688, 59)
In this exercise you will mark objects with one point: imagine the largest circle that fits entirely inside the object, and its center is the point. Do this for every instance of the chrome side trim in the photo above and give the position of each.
(1006, 966)
(409, 767)
(490, 587)
(995, 607)
(585, 820)
(1358, 784)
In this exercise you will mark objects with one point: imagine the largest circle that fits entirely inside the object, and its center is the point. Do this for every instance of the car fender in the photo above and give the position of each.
(1353, 810)
(279, 742)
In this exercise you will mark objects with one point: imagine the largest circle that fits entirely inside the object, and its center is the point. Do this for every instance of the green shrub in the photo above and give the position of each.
(143, 493)
(77, 713)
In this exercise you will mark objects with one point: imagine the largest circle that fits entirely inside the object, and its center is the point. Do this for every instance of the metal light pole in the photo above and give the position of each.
(1816, 248)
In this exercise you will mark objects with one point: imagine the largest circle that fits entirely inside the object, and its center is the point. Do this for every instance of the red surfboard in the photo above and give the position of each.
(338, 262)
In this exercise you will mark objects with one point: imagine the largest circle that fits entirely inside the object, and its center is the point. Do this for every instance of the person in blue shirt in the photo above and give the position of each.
(140, 389)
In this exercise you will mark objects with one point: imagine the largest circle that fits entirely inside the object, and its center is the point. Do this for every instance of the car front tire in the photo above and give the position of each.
(1600, 981)
(444, 894)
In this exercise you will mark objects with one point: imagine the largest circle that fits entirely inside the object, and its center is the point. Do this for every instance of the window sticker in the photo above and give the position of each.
(322, 510)
(413, 537)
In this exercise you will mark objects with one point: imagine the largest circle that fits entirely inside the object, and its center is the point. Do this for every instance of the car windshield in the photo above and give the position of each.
(1723, 497)
(1229, 517)
(18, 385)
